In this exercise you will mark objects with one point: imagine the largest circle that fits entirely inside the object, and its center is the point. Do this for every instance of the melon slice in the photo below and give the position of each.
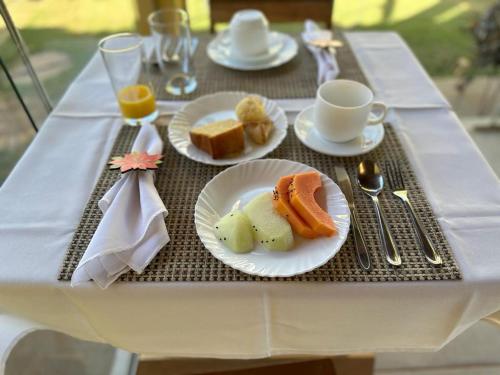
(235, 231)
(301, 193)
(269, 228)
(281, 203)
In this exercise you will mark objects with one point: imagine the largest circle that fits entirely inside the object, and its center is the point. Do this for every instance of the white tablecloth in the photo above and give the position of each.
(42, 201)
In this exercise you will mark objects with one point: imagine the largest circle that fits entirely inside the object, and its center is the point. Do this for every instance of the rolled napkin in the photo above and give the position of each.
(327, 63)
(132, 229)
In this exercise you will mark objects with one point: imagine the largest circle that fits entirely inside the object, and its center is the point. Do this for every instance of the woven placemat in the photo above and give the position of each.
(295, 79)
(180, 180)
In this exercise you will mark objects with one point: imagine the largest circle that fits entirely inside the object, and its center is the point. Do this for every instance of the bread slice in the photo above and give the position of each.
(220, 138)
(259, 132)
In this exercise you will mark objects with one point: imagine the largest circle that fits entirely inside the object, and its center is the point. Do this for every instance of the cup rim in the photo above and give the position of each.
(152, 15)
(356, 83)
(138, 44)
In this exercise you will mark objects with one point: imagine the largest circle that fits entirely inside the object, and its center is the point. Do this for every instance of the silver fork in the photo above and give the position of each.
(396, 182)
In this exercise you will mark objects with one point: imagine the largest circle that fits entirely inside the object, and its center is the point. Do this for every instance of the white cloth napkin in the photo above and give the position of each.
(132, 229)
(327, 63)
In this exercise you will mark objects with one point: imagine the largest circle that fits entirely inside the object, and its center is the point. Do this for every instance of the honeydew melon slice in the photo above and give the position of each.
(269, 228)
(234, 230)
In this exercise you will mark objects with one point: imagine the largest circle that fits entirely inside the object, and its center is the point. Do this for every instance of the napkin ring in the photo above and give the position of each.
(141, 161)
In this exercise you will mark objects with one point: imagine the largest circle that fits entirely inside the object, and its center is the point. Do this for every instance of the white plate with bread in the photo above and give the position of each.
(228, 128)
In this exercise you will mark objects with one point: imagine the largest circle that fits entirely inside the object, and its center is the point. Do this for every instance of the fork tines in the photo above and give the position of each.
(394, 175)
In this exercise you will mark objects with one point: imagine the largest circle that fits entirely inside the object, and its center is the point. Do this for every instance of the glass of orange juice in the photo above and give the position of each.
(123, 56)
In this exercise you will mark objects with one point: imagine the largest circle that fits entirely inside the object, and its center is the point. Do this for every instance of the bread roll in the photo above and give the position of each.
(251, 109)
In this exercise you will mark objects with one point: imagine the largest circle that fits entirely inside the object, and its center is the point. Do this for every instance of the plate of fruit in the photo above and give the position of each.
(228, 128)
(272, 217)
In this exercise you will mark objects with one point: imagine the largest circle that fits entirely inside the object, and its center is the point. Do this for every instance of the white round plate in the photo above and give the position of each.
(234, 187)
(309, 136)
(216, 107)
(282, 48)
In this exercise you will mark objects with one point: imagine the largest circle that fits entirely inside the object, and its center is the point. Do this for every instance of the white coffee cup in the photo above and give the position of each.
(248, 33)
(343, 109)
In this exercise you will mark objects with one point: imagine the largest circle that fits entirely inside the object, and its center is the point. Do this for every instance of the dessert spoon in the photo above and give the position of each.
(371, 181)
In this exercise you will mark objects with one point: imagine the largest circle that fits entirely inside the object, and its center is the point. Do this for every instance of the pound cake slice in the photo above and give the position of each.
(220, 138)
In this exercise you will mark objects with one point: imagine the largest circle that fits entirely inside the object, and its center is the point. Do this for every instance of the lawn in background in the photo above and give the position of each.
(437, 31)
(69, 27)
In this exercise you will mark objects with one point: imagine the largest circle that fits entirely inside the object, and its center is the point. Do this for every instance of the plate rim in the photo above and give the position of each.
(281, 135)
(257, 273)
(310, 146)
(289, 40)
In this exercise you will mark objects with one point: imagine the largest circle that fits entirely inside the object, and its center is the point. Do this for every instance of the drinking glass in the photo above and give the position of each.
(172, 40)
(123, 56)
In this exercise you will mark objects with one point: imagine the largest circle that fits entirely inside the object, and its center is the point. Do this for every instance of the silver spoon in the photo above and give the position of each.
(370, 180)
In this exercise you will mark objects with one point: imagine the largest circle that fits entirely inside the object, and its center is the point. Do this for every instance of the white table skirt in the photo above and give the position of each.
(42, 201)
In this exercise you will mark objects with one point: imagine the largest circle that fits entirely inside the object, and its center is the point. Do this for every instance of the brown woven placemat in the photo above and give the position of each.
(180, 180)
(295, 79)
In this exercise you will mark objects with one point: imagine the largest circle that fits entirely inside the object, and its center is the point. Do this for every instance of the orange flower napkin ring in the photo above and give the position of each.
(135, 161)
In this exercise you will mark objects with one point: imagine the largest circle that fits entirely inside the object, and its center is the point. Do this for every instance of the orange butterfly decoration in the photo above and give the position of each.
(135, 161)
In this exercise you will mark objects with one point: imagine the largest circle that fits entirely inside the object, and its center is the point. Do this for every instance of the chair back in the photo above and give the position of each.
(275, 10)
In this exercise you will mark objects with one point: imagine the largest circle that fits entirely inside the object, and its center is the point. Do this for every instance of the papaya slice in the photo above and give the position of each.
(283, 207)
(301, 193)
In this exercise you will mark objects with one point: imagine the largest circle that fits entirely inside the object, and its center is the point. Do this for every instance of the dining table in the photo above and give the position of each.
(44, 197)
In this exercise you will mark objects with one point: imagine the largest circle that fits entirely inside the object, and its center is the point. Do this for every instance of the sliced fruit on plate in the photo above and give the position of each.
(281, 203)
(235, 231)
(301, 192)
(269, 228)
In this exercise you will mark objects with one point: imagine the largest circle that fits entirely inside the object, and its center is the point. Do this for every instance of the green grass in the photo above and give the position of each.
(437, 31)
(67, 26)
(74, 16)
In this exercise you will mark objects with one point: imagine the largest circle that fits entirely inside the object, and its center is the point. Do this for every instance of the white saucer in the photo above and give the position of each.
(282, 48)
(309, 136)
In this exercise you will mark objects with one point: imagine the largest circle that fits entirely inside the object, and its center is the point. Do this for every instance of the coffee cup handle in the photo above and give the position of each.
(374, 119)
